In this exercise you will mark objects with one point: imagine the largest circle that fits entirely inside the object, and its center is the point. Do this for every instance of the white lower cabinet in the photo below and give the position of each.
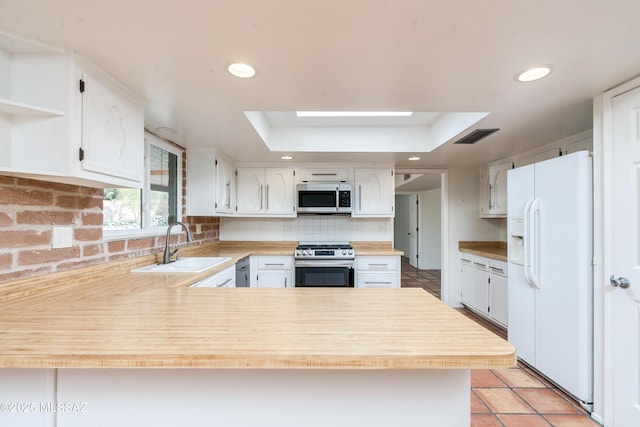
(377, 272)
(484, 287)
(223, 279)
(271, 271)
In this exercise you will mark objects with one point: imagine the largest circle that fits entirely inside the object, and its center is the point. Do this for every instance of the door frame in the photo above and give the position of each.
(602, 249)
(444, 223)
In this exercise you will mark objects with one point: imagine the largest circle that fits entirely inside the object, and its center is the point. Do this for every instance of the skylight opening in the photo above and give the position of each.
(354, 113)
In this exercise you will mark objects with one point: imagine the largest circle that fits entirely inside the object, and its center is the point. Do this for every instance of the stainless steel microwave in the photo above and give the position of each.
(325, 198)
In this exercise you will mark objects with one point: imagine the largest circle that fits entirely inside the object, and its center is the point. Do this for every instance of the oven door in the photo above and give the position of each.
(324, 273)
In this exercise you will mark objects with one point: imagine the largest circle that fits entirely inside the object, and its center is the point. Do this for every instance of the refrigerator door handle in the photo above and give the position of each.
(527, 243)
(535, 243)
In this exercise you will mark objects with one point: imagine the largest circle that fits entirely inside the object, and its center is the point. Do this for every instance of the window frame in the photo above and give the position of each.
(149, 139)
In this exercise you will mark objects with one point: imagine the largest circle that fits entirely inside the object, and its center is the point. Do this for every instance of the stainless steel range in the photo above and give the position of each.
(324, 265)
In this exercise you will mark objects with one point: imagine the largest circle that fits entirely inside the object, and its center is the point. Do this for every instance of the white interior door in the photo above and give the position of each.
(622, 299)
(401, 224)
(413, 230)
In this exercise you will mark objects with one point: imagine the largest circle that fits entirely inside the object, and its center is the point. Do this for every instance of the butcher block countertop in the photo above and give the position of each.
(495, 250)
(112, 318)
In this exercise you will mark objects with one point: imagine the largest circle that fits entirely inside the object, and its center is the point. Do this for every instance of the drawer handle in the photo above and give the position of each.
(378, 265)
(225, 282)
(274, 264)
(499, 270)
(480, 265)
(376, 283)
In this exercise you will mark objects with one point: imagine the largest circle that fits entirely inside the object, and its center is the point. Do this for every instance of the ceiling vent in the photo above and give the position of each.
(476, 136)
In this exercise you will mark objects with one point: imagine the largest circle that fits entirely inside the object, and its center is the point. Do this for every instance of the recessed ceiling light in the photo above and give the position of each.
(241, 70)
(354, 113)
(534, 73)
(414, 158)
(286, 157)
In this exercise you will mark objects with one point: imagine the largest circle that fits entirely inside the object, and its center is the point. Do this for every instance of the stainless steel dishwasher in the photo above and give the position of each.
(242, 273)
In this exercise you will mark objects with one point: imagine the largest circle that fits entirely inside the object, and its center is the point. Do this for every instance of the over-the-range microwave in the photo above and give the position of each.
(325, 198)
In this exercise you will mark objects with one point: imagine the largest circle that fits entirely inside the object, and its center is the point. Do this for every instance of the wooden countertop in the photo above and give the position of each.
(114, 318)
(495, 250)
(245, 328)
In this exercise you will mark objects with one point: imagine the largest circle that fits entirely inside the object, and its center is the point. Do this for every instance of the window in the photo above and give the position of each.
(157, 204)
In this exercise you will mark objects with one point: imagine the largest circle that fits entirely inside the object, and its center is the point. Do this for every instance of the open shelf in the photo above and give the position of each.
(20, 109)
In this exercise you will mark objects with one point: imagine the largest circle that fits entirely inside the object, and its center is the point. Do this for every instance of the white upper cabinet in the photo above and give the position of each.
(374, 192)
(50, 129)
(112, 128)
(265, 191)
(318, 174)
(201, 181)
(224, 186)
(493, 191)
(250, 183)
(210, 183)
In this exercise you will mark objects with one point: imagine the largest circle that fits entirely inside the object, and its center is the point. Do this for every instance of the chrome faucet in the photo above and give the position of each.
(167, 252)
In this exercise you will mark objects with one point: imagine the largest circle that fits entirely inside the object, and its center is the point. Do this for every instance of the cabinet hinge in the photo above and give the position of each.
(216, 162)
(80, 154)
(81, 86)
(216, 205)
(294, 173)
(391, 173)
(513, 165)
(560, 152)
(236, 172)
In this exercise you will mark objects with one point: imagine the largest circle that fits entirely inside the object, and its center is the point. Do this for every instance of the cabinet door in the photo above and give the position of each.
(279, 193)
(467, 284)
(201, 182)
(498, 189)
(480, 291)
(224, 186)
(274, 279)
(112, 132)
(250, 191)
(483, 192)
(498, 299)
(374, 192)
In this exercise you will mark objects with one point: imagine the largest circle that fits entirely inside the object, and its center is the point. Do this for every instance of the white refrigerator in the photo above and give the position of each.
(550, 253)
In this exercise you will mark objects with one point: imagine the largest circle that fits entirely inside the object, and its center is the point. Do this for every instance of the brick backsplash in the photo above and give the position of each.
(29, 209)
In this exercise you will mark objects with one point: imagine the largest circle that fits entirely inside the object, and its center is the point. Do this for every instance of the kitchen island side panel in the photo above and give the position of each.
(266, 398)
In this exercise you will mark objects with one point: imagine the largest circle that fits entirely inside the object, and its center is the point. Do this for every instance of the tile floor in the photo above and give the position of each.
(514, 397)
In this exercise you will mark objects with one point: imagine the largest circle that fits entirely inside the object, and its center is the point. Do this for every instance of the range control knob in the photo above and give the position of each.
(344, 252)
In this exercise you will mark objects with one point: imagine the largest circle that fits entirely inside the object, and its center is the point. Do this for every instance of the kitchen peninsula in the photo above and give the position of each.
(104, 337)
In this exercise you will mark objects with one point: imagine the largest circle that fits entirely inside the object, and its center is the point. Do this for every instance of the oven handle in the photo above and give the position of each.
(324, 263)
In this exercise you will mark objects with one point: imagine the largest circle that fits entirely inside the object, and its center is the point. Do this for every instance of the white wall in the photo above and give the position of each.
(465, 224)
(311, 228)
(429, 224)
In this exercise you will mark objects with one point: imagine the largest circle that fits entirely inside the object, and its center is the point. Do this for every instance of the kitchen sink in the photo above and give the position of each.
(183, 265)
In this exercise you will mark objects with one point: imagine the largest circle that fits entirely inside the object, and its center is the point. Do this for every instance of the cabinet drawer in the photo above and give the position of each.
(466, 258)
(377, 280)
(481, 263)
(378, 263)
(275, 263)
(498, 267)
(224, 279)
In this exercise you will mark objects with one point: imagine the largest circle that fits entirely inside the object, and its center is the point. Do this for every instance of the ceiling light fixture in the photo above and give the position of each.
(353, 113)
(244, 71)
(286, 157)
(414, 158)
(534, 73)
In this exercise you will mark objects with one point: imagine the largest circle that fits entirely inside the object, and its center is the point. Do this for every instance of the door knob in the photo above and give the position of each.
(621, 282)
